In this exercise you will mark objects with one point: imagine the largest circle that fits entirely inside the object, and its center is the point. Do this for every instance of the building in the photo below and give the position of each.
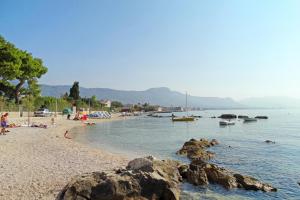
(106, 103)
(173, 109)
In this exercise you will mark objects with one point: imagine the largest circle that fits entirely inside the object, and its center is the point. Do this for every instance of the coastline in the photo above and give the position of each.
(36, 163)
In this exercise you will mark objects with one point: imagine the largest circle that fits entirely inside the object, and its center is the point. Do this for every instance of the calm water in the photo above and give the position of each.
(277, 164)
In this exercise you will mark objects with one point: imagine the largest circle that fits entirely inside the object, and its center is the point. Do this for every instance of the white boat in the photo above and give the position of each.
(226, 123)
(250, 120)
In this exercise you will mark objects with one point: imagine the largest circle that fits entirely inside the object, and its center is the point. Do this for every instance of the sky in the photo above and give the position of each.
(214, 48)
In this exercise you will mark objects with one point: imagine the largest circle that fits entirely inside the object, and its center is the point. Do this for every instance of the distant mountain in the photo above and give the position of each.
(271, 102)
(156, 96)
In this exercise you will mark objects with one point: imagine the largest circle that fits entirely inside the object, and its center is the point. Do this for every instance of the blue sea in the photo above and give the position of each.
(277, 164)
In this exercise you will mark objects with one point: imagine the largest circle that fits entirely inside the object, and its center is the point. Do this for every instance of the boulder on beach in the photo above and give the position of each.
(143, 178)
(196, 149)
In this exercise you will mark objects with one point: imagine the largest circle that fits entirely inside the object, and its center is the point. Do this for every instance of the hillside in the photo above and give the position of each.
(156, 96)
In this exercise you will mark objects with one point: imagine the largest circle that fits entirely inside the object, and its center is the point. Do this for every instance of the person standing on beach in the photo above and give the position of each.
(52, 121)
(4, 124)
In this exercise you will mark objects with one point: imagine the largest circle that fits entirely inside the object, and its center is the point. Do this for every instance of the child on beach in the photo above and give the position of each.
(4, 124)
(66, 134)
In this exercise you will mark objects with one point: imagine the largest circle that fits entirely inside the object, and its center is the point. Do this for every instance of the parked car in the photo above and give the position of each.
(42, 112)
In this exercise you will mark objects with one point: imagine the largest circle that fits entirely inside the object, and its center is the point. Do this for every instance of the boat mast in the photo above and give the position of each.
(186, 110)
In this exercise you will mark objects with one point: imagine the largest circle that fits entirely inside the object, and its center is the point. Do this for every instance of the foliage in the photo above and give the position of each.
(74, 91)
(28, 102)
(33, 88)
(10, 60)
(19, 66)
(149, 108)
(93, 103)
(137, 108)
(116, 104)
(51, 102)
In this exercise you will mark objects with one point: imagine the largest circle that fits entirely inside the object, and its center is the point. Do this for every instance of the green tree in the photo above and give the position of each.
(10, 62)
(28, 103)
(95, 104)
(74, 91)
(30, 70)
(20, 66)
(33, 88)
(116, 104)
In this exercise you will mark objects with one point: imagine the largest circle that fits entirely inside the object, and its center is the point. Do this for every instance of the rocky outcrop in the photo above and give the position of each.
(250, 183)
(228, 116)
(143, 178)
(196, 149)
(202, 173)
(243, 117)
(199, 172)
(269, 142)
(261, 117)
(149, 178)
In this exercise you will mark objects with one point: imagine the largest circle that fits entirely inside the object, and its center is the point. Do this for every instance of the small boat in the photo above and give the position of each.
(226, 123)
(250, 120)
(183, 119)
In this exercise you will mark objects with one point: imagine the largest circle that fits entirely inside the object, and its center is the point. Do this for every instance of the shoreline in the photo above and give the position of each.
(36, 163)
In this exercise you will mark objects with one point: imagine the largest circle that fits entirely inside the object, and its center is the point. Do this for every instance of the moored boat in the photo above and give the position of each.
(183, 119)
(226, 123)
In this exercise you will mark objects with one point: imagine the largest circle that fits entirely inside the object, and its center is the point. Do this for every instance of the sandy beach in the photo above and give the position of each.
(36, 163)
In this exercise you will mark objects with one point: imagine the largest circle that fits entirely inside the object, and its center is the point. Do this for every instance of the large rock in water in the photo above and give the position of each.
(202, 173)
(199, 172)
(196, 149)
(144, 178)
(228, 116)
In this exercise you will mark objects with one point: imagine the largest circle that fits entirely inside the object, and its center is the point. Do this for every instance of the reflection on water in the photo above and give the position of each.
(278, 164)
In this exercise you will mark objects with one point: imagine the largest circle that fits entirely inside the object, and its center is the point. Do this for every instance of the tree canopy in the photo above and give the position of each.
(18, 67)
(74, 91)
(116, 104)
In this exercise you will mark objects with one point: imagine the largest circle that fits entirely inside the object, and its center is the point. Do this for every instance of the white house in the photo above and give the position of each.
(106, 103)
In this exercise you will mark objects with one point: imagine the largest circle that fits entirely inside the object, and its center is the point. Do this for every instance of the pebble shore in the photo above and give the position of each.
(36, 163)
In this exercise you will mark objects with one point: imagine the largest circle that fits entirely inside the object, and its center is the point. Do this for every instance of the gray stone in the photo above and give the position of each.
(144, 178)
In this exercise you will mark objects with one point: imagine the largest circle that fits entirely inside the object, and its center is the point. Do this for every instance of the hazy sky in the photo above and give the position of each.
(209, 48)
